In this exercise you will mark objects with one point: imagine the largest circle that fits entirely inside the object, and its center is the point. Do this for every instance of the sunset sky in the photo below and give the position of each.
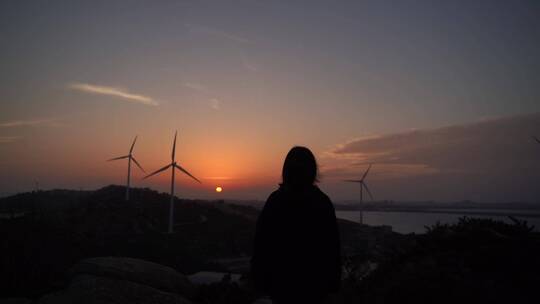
(442, 96)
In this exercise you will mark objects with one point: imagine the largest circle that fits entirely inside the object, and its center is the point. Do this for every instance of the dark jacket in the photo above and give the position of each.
(297, 248)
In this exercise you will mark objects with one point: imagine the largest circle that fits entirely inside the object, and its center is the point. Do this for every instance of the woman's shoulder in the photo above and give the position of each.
(274, 198)
(313, 194)
(275, 195)
(320, 193)
(323, 198)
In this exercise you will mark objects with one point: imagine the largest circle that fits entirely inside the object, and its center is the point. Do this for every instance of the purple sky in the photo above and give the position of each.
(443, 96)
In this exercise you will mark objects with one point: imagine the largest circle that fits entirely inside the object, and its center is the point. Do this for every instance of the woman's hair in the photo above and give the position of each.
(299, 168)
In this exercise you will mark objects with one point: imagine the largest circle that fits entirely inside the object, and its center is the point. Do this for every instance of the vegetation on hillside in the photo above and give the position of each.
(62, 227)
(474, 259)
(479, 260)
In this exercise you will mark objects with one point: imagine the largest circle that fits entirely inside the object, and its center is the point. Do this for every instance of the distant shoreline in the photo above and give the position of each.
(459, 212)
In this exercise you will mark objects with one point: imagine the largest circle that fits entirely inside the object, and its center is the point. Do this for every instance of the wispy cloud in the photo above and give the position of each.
(218, 177)
(494, 159)
(8, 139)
(26, 123)
(114, 92)
(486, 145)
(249, 64)
(217, 33)
(215, 103)
(195, 86)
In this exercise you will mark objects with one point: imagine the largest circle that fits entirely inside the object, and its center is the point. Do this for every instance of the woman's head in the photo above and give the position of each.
(299, 168)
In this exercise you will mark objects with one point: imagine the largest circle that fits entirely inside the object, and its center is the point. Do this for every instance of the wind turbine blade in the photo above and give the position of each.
(117, 158)
(367, 189)
(156, 172)
(174, 146)
(137, 163)
(132, 145)
(352, 180)
(536, 138)
(365, 174)
(189, 174)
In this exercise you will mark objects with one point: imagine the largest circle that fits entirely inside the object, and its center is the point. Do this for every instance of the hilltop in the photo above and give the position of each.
(55, 243)
(44, 233)
(52, 230)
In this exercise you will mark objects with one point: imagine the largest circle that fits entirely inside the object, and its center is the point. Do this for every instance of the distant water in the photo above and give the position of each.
(408, 222)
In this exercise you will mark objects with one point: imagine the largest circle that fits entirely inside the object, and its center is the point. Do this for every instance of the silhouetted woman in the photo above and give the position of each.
(296, 256)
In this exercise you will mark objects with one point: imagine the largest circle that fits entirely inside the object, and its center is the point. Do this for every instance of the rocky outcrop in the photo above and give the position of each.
(116, 280)
(15, 301)
(89, 289)
(137, 271)
(210, 277)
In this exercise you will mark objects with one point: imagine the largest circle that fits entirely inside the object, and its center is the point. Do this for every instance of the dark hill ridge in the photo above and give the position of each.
(53, 230)
(61, 227)
(106, 211)
(50, 252)
(65, 246)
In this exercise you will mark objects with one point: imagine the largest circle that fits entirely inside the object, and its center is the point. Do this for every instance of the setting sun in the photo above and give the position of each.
(219, 189)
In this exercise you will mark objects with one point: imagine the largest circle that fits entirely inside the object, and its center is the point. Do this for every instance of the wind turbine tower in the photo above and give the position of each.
(363, 186)
(173, 165)
(130, 158)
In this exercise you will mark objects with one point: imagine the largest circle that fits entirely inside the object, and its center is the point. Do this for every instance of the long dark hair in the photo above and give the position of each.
(299, 168)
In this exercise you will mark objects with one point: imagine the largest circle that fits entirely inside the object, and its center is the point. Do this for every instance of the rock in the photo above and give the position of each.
(137, 271)
(238, 264)
(263, 301)
(16, 301)
(209, 277)
(90, 289)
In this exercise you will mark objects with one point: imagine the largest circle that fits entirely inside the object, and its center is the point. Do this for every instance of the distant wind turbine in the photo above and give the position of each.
(363, 186)
(130, 158)
(173, 165)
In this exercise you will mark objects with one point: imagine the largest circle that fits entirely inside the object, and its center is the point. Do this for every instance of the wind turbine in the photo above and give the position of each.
(363, 186)
(173, 165)
(130, 158)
